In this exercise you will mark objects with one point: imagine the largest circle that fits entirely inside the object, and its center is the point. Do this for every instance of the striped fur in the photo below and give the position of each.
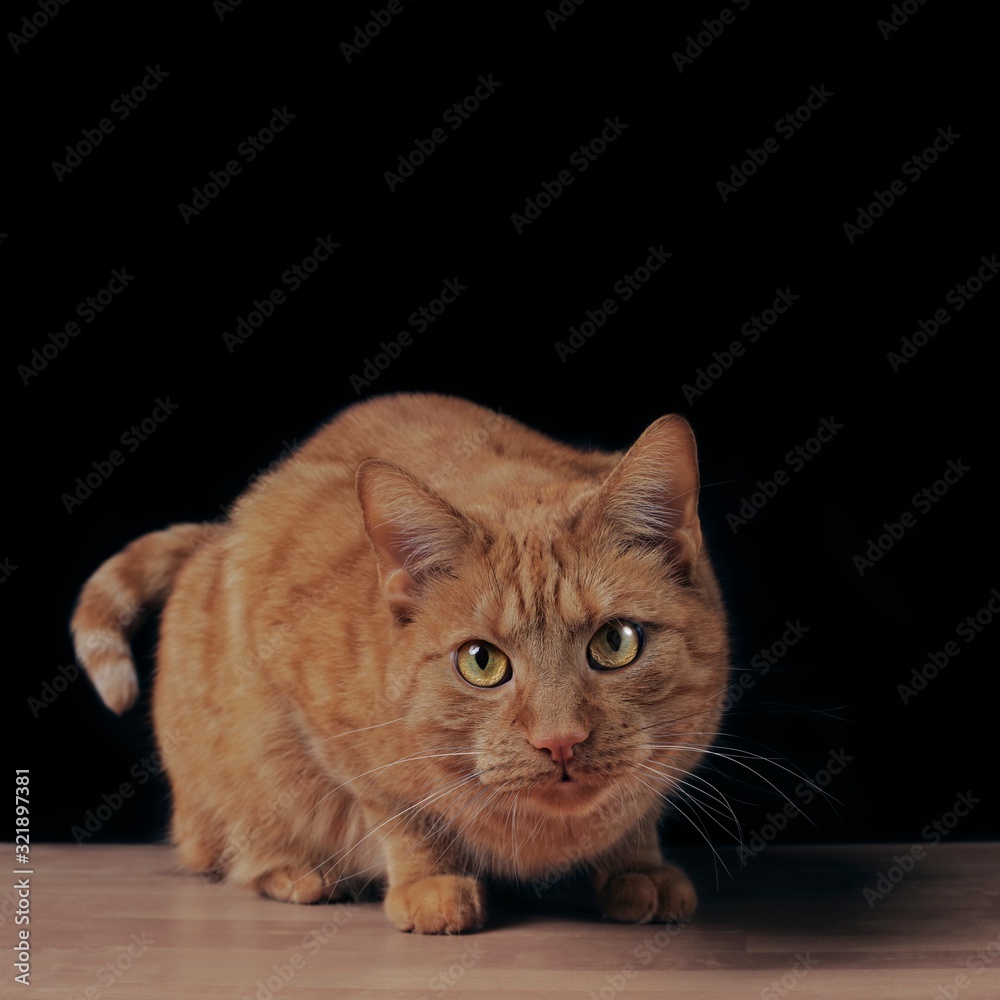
(318, 738)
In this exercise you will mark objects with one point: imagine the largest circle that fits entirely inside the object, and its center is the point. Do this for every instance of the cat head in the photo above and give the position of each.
(561, 642)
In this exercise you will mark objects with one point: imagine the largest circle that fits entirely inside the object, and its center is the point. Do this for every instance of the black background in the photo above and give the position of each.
(655, 185)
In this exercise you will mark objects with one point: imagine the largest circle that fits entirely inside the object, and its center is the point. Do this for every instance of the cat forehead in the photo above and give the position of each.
(543, 586)
(534, 512)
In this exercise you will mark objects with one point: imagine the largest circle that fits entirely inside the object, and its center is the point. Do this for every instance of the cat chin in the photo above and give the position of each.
(567, 798)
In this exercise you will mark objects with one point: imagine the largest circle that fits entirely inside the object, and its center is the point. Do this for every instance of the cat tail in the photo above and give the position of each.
(116, 599)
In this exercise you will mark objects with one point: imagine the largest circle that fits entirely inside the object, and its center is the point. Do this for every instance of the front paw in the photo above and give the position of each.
(661, 895)
(437, 904)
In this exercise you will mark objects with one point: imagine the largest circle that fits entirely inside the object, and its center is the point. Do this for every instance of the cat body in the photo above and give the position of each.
(432, 647)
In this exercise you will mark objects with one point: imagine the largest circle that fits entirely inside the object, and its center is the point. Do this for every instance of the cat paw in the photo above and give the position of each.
(657, 895)
(297, 885)
(438, 904)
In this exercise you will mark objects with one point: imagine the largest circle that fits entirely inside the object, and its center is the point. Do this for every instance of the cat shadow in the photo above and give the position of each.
(799, 890)
(810, 890)
(563, 898)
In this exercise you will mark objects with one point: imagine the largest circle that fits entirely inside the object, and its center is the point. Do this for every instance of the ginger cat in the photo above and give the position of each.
(431, 647)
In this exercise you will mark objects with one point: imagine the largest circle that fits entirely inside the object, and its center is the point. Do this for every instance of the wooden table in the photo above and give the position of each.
(122, 922)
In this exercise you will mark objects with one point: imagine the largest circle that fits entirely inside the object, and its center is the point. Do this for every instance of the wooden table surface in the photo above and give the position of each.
(122, 922)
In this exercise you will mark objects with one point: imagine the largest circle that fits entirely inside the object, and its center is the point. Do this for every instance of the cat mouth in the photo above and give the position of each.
(566, 792)
(570, 786)
(561, 779)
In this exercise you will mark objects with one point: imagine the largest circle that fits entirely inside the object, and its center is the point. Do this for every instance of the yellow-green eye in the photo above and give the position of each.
(482, 664)
(615, 644)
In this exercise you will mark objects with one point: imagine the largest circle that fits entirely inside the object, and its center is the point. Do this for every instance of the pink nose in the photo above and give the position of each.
(560, 747)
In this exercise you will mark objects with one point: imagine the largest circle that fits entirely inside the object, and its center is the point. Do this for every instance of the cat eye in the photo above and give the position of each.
(615, 644)
(482, 664)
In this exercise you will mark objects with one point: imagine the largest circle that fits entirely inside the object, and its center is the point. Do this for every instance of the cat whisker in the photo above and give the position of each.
(688, 818)
(534, 833)
(491, 794)
(700, 806)
(739, 758)
(663, 724)
(410, 813)
(439, 823)
(363, 729)
(711, 812)
(401, 760)
(511, 818)
(777, 756)
(715, 794)
(422, 803)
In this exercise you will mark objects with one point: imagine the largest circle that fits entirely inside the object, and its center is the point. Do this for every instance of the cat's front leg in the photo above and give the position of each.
(428, 892)
(634, 885)
(437, 904)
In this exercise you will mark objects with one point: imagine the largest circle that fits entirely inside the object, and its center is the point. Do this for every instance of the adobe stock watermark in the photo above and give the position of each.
(121, 107)
(785, 127)
(131, 439)
(30, 26)
(249, 149)
(967, 630)
(696, 44)
(454, 116)
(581, 159)
(88, 310)
(112, 971)
(142, 771)
(313, 941)
(914, 168)
(420, 319)
(562, 13)
(288, 450)
(8, 907)
(901, 13)
(705, 378)
(17, 905)
(624, 288)
(214, 529)
(762, 661)
(268, 815)
(922, 500)
(643, 953)
(778, 988)
(364, 33)
(805, 792)
(444, 979)
(796, 459)
(959, 296)
(293, 279)
(224, 7)
(574, 855)
(68, 673)
(464, 447)
(6, 570)
(932, 834)
(22, 950)
(275, 639)
(977, 963)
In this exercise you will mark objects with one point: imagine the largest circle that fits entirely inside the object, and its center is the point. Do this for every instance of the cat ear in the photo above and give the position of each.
(650, 498)
(415, 533)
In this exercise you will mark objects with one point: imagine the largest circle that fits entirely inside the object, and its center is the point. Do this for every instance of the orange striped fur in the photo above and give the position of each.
(307, 659)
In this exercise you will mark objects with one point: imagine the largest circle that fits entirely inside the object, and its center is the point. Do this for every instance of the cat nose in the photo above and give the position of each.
(560, 747)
